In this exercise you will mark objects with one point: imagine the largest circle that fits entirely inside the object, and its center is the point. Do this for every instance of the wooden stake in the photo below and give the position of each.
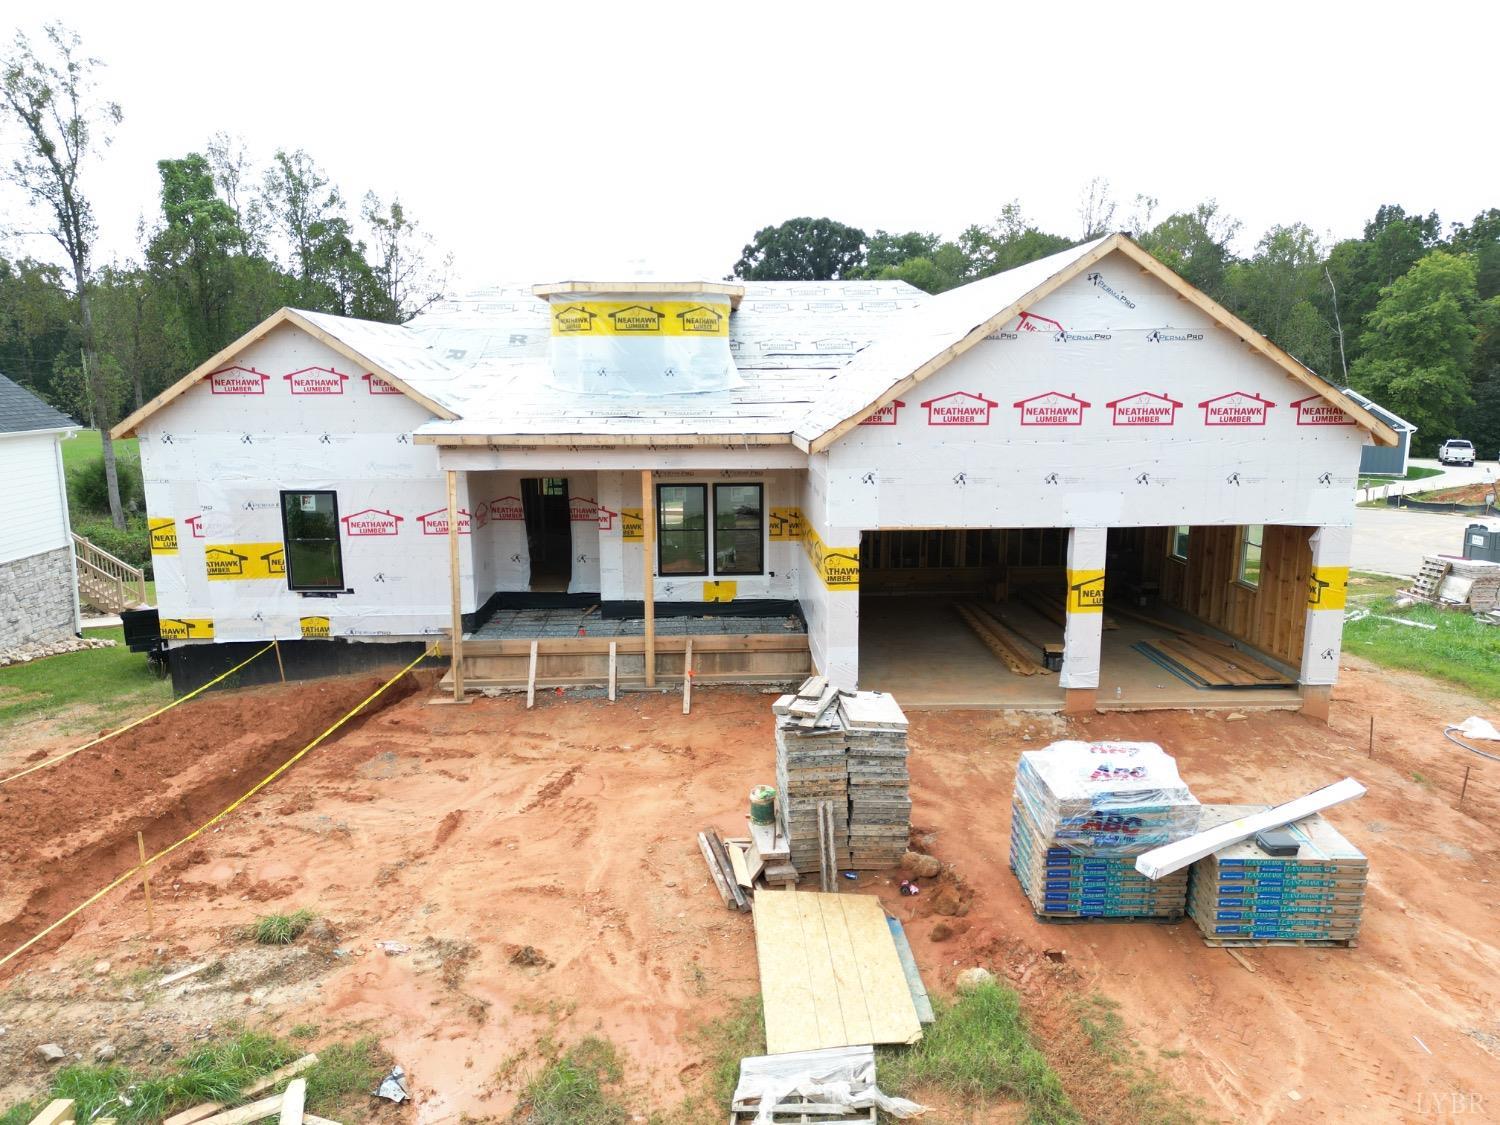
(1372, 736)
(612, 666)
(687, 678)
(648, 571)
(140, 842)
(531, 678)
(456, 656)
(280, 667)
(1465, 789)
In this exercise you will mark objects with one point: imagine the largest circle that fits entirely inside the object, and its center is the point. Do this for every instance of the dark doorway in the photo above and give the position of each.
(549, 535)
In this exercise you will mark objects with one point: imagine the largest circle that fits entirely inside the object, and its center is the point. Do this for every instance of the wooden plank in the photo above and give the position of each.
(531, 677)
(648, 572)
(822, 980)
(785, 981)
(687, 678)
(201, 1112)
(255, 1111)
(56, 1112)
(293, 1102)
(737, 860)
(990, 641)
(629, 645)
(726, 870)
(827, 868)
(714, 872)
(613, 670)
(893, 1014)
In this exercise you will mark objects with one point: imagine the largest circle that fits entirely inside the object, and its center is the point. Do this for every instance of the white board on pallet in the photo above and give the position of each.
(1175, 856)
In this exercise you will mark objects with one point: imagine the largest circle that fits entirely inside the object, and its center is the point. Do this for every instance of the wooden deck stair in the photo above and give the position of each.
(105, 581)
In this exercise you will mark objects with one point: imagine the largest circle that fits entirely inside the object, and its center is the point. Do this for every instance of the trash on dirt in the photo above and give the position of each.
(835, 1079)
(909, 888)
(1055, 955)
(393, 1086)
(392, 948)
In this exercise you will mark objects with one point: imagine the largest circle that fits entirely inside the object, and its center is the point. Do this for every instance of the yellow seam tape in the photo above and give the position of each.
(163, 534)
(632, 525)
(1328, 587)
(238, 561)
(640, 318)
(138, 722)
(196, 832)
(1085, 591)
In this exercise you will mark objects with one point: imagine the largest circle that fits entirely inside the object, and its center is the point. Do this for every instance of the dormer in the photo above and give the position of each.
(641, 337)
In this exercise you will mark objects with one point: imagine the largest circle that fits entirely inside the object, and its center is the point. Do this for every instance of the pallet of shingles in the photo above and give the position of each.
(1243, 895)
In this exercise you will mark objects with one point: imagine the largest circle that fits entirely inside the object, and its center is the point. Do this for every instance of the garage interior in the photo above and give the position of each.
(975, 617)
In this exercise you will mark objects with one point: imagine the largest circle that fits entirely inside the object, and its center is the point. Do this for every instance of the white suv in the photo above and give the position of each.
(1456, 451)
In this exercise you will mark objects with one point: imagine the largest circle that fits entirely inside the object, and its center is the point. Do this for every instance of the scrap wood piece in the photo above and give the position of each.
(814, 997)
(1177, 855)
(714, 871)
(182, 974)
(208, 1109)
(827, 855)
(243, 1115)
(531, 678)
(293, 1101)
(726, 869)
(812, 688)
(687, 678)
(1244, 964)
(55, 1113)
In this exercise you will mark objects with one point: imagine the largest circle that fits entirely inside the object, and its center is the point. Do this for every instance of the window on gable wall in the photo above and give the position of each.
(1251, 536)
(310, 531)
(1179, 547)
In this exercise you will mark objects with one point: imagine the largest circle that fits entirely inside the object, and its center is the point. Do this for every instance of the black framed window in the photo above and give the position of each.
(682, 529)
(310, 530)
(739, 529)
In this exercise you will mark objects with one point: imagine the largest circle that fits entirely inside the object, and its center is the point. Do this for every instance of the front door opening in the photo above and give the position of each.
(549, 535)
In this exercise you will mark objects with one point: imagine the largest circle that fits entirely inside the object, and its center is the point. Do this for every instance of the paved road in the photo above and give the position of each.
(1452, 476)
(1392, 541)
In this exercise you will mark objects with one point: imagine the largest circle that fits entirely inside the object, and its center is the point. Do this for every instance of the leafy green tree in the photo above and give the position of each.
(52, 97)
(407, 281)
(192, 252)
(803, 249)
(327, 260)
(1276, 291)
(1008, 242)
(1196, 244)
(37, 321)
(1481, 422)
(1482, 239)
(1359, 269)
(888, 251)
(139, 330)
(1418, 344)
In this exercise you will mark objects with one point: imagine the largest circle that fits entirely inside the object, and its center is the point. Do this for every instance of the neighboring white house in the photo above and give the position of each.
(38, 588)
(858, 454)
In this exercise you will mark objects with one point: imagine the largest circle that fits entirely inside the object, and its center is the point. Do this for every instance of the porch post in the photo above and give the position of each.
(1323, 635)
(1084, 628)
(456, 651)
(648, 571)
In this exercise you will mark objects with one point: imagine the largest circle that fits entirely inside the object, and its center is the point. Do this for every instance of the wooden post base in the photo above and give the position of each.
(1079, 701)
(1315, 701)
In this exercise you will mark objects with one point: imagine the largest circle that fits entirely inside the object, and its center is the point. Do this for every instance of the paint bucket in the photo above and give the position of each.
(763, 805)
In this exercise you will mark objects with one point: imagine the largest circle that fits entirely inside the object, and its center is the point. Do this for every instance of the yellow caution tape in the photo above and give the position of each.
(128, 726)
(211, 821)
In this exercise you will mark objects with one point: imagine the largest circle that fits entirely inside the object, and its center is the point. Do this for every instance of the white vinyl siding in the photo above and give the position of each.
(33, 505)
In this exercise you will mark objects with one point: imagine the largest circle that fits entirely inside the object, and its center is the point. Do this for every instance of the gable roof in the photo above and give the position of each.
(381, 349)
(22, 412)
(943, 328)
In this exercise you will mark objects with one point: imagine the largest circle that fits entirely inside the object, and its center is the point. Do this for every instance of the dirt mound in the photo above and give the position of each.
(67, 830)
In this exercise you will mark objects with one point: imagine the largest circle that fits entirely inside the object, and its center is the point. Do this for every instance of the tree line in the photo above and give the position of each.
(1408, 313)
(232, 240)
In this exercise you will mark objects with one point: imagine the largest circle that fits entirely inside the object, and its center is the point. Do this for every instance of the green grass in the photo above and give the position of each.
(1147, 1097)
(282, 929)
(112, 678)
(85, 446)
(1460, 650)
(570, 1090)
(1416, 472)
(217, 1071)
(979, 1049)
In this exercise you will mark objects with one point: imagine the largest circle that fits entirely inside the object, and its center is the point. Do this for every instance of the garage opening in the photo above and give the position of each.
(1204, 616)
(963, 617)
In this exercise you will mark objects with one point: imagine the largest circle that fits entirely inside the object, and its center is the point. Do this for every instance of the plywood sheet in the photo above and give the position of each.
(830, 974)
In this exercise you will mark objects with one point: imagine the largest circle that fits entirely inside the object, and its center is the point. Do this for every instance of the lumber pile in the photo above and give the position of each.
(1014, 651)
(1081, 812)
(1245, 894)
(1205, 662)
(849, 750)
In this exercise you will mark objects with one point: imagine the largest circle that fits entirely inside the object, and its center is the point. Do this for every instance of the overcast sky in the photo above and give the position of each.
(539, 141)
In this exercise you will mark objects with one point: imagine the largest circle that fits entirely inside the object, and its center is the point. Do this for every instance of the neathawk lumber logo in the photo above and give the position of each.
(237, 380)
(436, 522)
(1315, 410)
(186, 628)
(884, 415)
(1144, 408)
(507, 508)
(1052, 408)
(316, 381)
(378, 386)
(583, 509)
(163, 533)
(1237, 408)
(959, 408)
(372, 521)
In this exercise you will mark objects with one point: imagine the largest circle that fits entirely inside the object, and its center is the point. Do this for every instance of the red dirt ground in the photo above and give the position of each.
(468, 833)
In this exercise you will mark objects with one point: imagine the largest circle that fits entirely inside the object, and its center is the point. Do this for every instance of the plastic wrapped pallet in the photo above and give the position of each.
(1080, 813)
(1242, 895)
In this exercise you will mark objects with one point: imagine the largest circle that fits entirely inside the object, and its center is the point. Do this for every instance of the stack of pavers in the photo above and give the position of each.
(847, 748)
(1080, 814)
(879, 786)
(1246, 895)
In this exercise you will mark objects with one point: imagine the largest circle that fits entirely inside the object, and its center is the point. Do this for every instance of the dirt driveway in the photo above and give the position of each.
(468, 834)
